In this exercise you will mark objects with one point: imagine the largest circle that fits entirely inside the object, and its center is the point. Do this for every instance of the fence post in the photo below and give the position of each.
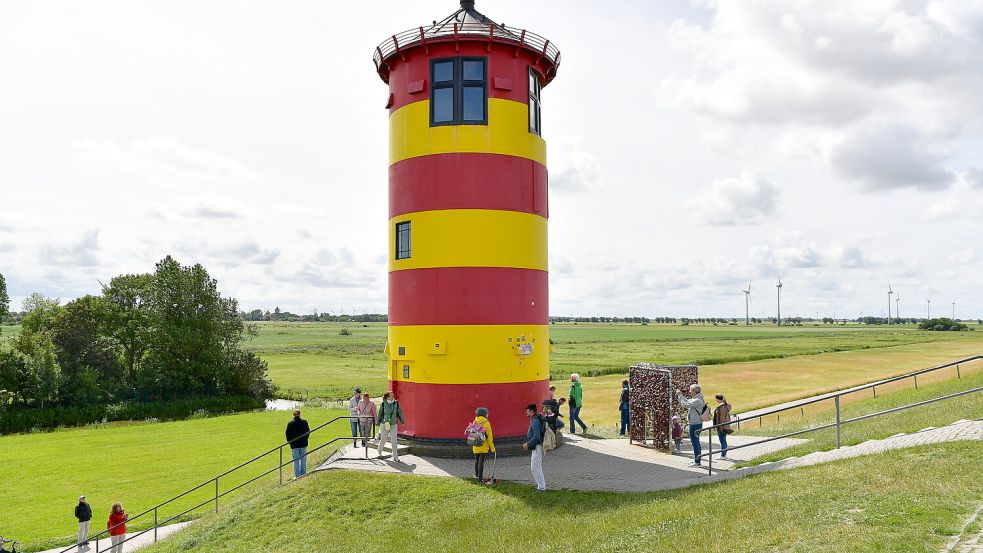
(875, 391)
(281, 465)
(837, 422)
(957, 372)
(916, 381)
(216, 494)
(155, 524)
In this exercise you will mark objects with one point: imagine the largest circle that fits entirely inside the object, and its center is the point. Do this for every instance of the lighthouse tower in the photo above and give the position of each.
(468, 281)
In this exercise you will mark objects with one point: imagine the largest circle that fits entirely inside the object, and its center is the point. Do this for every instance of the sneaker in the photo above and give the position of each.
(693, 464)
(540, 489)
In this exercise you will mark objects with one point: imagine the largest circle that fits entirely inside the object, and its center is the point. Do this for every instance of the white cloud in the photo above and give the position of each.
(83, 252)
(746, 200)
(891, 156)
(571, 167)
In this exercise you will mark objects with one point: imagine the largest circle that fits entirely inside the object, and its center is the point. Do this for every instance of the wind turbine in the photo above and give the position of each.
(953, 310)
(897, 306)
(889, 293)
(747, 304)
(779, 287)
(929, 300)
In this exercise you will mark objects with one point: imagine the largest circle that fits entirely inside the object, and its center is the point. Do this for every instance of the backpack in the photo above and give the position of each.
(477, 434)
(705, 414)
(549, 437)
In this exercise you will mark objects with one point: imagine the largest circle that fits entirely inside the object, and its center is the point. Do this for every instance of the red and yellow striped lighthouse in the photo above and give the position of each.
(468, 281)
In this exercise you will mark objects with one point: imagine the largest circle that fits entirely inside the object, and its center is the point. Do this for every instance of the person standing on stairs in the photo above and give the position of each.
(297, 433)
(390, 416)
(83, 512)
(353, 413)
(366, 417)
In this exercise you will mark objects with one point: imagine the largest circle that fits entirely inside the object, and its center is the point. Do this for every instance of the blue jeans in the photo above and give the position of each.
(624, 421)
(694, 438)
(300, 461)
(354, 423)
(723, 441)
(574, 419)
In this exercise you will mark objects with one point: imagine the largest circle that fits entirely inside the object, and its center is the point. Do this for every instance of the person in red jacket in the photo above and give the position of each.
(117, 527)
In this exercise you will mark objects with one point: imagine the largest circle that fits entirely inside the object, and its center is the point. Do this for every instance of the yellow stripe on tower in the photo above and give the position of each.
(472, 238)
(507, 132)
(469, 354)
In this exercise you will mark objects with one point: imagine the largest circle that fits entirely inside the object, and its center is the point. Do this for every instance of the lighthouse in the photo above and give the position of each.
(468, 275)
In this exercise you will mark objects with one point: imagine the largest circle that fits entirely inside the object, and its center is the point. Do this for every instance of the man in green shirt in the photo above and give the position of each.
(576, 402)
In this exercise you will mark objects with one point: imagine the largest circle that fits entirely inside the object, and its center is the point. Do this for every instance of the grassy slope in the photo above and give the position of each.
(914, 502)
(139, 464)
(912, 420)
(762, 383)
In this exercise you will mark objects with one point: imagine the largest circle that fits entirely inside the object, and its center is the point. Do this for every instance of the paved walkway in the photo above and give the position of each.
(139, 542)
(580, 464)
(616, 465)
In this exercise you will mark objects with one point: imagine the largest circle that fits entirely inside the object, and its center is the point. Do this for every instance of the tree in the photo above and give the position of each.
(91, 370)
(40, 312)
(126, 318)
(43, 375)
(4, 299)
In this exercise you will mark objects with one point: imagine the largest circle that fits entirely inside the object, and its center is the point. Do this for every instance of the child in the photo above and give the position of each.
(677, 433)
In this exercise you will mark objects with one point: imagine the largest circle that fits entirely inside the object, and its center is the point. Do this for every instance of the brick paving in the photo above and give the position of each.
(139, 542)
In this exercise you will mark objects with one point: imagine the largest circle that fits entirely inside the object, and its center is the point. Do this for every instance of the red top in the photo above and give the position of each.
(114, 519)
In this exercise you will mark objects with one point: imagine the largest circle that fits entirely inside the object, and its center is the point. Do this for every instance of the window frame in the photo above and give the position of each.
(534, 100)
(402, 253)
(457, 84)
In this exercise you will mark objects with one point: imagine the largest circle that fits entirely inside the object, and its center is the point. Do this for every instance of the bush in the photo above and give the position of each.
(942, 324)
(345, 331)
(49, 418)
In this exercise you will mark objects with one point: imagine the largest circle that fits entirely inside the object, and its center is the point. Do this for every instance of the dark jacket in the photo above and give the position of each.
(83, 512)
(534, 436)
(297, 431)
(624, 400)
(390, 412)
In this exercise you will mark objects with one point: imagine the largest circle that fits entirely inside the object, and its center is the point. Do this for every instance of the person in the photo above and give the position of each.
(488, 446)
(576, 403)
(297, 434)
(551, 407)
(534, 444)
(117, 527)
(352, 412)
(677, 434)
(389, 415)
(623, 406)
(366, 413)
(721, 415)
(695, 406)
(83, 512)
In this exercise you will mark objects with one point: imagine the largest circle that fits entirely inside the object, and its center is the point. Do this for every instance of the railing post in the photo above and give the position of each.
(216, 494)
(916, 381)
(281, 465)
(710, 449)
(875, 391)
(837, 422)
(155, 524)
(957, 372)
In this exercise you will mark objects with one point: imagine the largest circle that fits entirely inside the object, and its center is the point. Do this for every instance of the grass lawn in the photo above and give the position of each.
(139, 464)
(914, 502)
(762, 383)
(940, 413)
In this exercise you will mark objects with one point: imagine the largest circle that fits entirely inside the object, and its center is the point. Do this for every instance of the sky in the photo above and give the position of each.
(693, 147)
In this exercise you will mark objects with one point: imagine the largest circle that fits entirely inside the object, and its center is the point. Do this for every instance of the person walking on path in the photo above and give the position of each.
(83, 512)
(695, 406)
(534, 443)
(721, 415)
(623, 406)
(365, 411)
(389, 415)
(353, 413)
(488, 446)
(117, 527)
(576, 403)
(297, 434)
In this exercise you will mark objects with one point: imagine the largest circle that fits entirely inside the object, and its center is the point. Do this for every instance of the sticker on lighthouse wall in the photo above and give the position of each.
(525, 349)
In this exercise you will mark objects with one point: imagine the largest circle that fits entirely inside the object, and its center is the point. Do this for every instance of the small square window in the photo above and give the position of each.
(402, 350)
(443, 105)
(443, 71)
(474, 70)
(406, 371)
(403, 250)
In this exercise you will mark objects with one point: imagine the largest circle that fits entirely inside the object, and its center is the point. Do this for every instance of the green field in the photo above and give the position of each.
(139, 464)
(915, 502)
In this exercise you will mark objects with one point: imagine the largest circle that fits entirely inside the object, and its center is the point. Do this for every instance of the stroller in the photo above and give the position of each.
(5, 542)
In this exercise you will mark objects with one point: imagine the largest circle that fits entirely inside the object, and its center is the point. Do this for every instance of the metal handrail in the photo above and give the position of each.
(836, 399)
(215, 480)
(475, 31)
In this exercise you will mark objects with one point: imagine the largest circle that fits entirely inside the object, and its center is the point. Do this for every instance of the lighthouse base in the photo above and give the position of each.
(459, 449)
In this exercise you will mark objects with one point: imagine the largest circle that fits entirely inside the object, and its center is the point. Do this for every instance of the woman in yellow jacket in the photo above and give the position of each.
(487, 446)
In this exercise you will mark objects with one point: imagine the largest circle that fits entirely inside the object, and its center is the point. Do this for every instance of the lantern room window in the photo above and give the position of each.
(459, 91)
(535, 121)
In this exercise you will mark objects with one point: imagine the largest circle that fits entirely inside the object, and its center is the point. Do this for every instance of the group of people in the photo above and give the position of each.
(116, 524)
